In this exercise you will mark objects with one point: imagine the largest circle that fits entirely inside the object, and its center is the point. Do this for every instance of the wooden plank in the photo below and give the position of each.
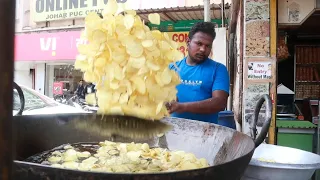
(273, 54)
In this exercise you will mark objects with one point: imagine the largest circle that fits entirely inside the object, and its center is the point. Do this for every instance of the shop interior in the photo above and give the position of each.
(65, 73)
(299, 81)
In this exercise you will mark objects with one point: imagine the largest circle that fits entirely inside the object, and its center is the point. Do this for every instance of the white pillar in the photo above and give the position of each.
(49, 80)
(40, 77)
(207, 11)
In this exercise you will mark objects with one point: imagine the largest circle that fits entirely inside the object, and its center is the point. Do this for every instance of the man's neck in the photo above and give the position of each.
(190, 61)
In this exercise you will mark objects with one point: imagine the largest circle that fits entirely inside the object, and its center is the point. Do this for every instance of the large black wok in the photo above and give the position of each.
(228, 151)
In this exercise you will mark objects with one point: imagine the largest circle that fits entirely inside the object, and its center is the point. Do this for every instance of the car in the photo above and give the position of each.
(37, 103)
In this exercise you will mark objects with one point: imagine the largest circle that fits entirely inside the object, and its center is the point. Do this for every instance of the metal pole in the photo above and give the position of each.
(207, 12)
(222, 13)
(7, 25)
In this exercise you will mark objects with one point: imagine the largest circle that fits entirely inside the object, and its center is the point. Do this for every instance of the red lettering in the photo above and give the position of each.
(180, 37)
(175, 37)
(183, 50)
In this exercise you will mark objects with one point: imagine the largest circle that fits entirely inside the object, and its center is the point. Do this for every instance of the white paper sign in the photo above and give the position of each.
(259, 70)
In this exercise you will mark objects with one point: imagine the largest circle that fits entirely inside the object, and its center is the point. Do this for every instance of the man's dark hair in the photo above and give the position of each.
(205, 27)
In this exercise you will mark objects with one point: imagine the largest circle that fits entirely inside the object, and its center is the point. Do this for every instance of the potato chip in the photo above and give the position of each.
(134, 50)
(99, 36)
(143, 70)
(138, 62)
(124, 98)
(151, 65)
(100, 62)
(116, 110)
(114, 85)
(159, 107)
(91, 99)
(166, 36)
(139, 33)
(157, 34)
(115, 97)
(166, 76)
(111, 8)
(118, 72)
(147, 43)
(128, 21)
(126, 157)
(132, 12)
(129, 63)
(119, 57)
(154, 18)
(139, 83)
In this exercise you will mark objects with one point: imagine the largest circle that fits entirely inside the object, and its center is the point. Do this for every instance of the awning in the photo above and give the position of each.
(185, 13)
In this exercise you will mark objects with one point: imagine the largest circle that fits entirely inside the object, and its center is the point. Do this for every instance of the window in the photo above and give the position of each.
(32, 100)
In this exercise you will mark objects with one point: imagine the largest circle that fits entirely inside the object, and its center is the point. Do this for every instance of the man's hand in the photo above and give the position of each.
(174, 106)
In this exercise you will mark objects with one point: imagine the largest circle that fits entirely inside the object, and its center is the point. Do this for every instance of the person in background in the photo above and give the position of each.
(90, 88)
(204, 88)
(80, 90)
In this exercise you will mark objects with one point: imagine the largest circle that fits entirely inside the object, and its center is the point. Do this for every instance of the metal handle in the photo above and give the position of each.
(265, 128)
(21, 96)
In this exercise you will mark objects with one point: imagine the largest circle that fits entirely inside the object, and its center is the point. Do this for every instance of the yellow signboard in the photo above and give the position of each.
(50, 10)
(181, 39)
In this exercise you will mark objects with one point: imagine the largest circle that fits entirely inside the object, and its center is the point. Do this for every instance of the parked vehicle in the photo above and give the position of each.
(37, 103)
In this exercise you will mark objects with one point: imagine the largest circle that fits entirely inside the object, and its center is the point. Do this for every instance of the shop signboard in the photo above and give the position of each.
(180, 26)
(62, 46)
(181, 39)
(44, 10)
(51, 10)
(47, 46)
(58, 88)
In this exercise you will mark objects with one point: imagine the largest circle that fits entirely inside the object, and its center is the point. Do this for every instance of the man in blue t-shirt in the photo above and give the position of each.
(204, 87)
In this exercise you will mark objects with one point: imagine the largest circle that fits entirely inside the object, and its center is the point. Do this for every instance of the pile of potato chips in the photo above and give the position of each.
(126, 158)
(128, 63)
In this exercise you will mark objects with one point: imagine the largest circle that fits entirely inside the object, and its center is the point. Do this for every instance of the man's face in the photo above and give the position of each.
(199, 47)
(80, 83)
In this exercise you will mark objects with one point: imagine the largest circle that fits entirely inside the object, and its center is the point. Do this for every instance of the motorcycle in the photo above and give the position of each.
(80, 103)
(60, 98)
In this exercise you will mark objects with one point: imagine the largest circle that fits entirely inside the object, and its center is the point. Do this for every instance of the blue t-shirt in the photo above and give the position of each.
(197, 84)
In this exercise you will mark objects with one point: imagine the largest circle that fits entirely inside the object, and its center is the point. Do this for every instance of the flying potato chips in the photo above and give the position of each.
(129, 63)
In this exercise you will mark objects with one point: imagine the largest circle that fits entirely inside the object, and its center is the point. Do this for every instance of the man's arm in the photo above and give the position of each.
(217, 103)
